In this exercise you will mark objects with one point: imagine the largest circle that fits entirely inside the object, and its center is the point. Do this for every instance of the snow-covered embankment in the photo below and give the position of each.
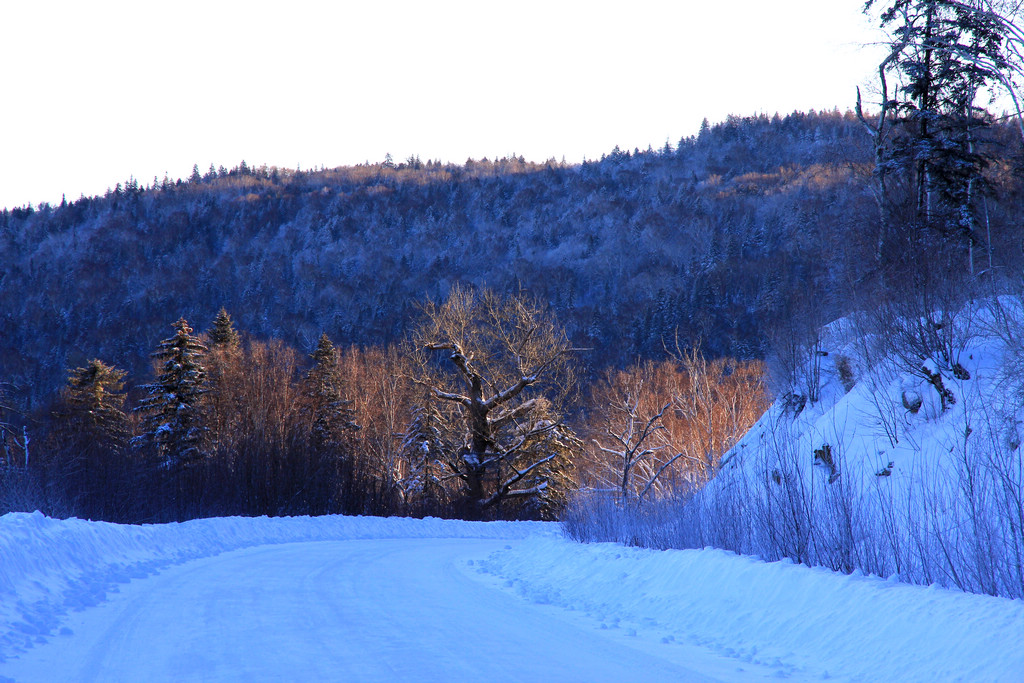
(794, 618)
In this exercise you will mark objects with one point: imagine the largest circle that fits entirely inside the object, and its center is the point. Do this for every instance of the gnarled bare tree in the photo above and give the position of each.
(508, 373)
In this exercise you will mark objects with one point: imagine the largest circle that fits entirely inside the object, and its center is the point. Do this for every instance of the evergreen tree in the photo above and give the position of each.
(172, 411)
(330, 478)
(94, 401)
(93, 433)
(331, 415)
(223, 334)
(944, 55)
(424, 445)
(223, 378)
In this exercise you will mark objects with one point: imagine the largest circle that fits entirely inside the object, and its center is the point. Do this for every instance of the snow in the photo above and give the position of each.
(871, 426)
(356, 598)
(52, 567)
(798, 620)
(930, 493)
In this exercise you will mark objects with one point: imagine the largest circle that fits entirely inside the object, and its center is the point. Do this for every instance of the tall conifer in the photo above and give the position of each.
(172, 411)
(331, 414)
(223, 379)
(944, 56)
(94, 431)
(94, 404)
(223, 334)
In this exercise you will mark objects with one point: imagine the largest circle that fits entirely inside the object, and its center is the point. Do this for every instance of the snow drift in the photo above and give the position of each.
(897, 450)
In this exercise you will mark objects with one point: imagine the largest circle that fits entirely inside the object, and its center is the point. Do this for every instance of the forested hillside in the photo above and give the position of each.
(717, 237)
(477, 340)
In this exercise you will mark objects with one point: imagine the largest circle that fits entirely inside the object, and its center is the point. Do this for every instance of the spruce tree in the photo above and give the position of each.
(223, 379)
(94, 401)
(944, 56)
(223, 334)
(331, 415)
(94, 431)
(330, 479)
(173, 418)
(424, 445)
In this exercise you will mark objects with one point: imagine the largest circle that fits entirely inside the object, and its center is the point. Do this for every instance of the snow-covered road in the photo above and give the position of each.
(373, 599)
(358, 610)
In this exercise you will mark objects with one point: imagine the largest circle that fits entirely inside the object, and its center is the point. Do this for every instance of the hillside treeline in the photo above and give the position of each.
(398, 354)
(480, 414)
(717, 237)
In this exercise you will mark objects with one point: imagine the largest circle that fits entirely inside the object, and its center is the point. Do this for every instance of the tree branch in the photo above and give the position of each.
(504, 418)
(664, 467)
(458, 358)
(504, 489)
(526, 380)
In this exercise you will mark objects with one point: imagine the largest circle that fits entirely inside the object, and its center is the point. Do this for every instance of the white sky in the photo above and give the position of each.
(92, 92)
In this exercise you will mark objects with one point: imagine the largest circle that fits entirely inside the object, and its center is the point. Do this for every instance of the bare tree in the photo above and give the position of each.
(631, 435)
(508, 375)
(381, 397)
(718, 402)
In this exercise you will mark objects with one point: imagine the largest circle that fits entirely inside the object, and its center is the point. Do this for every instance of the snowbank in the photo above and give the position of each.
(796, 619)
(51, 567)
(887, 430)
(896, 451)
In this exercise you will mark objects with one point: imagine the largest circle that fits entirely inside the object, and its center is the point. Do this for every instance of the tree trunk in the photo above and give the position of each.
(480, 433)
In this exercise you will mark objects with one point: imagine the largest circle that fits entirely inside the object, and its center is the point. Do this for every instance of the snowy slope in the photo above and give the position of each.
(908, 463)
(870, 426)
(705, 606)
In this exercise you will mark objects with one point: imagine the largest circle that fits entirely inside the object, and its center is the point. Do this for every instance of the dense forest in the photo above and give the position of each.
(740, 242)
(718, 237)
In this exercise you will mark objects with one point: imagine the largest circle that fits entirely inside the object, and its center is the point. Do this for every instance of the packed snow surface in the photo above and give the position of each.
(368, 599)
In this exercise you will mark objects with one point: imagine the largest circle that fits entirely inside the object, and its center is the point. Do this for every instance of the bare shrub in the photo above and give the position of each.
(796, 353)
(929, 324)
(958, 526)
